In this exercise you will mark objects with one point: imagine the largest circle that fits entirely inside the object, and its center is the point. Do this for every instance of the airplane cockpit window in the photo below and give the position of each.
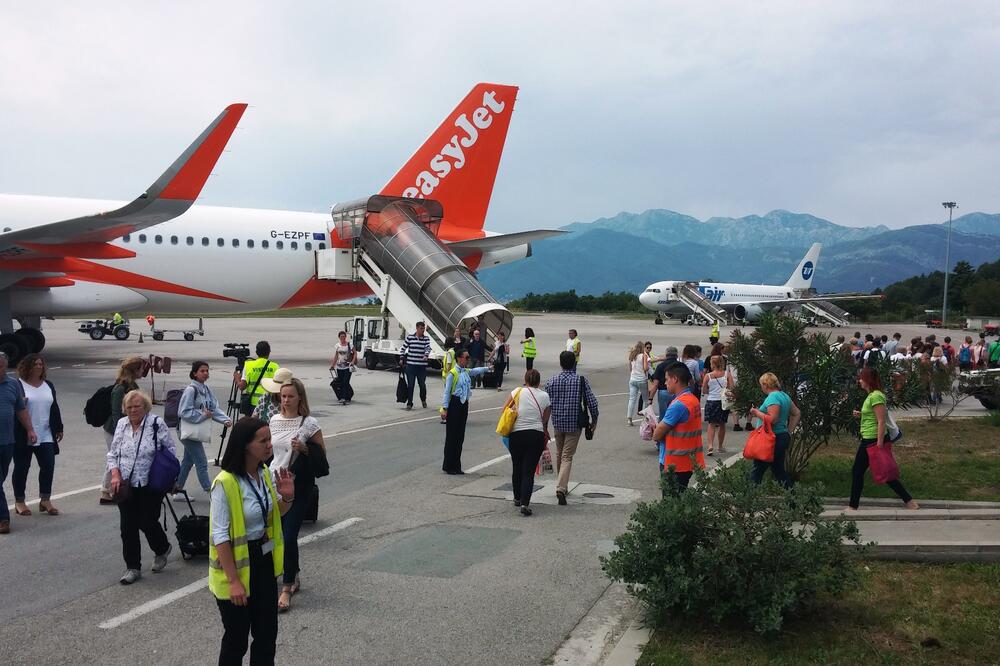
(173, 240)
(142, 238)
(250, 243)
(280, 245)
(190, 240)
(158, 239)
(295, 245)
(264, 244)
(204, 241)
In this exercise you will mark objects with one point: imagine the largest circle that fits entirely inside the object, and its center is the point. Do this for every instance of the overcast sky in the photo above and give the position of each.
(857, 113)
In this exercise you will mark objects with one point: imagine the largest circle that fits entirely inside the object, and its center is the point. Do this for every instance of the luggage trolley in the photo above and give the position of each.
(187, 333)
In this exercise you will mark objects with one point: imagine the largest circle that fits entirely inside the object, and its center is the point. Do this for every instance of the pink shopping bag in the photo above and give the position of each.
(883, 465)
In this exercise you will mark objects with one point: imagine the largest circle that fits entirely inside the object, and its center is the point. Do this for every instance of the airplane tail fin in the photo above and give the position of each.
(802, 276)
(458, 164)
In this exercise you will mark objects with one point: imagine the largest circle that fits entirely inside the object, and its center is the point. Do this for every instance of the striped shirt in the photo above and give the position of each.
(416, 349)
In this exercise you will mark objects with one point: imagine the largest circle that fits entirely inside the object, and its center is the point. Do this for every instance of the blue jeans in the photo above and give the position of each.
(194, 456)
(781, 442)
(416, 374)
(46, 454)
(636, 387)
(663, 399)
(6, 455)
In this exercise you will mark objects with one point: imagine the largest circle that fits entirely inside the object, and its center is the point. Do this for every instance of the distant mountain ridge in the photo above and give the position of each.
(631, 250)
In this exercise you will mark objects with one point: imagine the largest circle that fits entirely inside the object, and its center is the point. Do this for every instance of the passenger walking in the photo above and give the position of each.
(499, 359)
(638, 364)
(568, 392)
(529, 349)
(873, 415)
(994, 354)
(270, 403)
(784, 416)
(11, 407)
(292, 430)
(658, 391)
(689, 357)
(197, 409)
(345, 359)
(965, 355)
(46, 420)
(137, 437)
(246, 547)
(477, 356)
(679, 430)
(128, 374)
(255, 372)
(455, 410)
(980, 355)
(714, 385)
(414, 353)
(574, 345)
(527, 440)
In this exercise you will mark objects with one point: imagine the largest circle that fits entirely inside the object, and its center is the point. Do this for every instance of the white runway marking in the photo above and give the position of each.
(61, 495)
(202, 583)
(487, 463)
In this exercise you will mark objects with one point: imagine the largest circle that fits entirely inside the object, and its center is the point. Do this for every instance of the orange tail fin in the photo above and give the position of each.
(458, 164)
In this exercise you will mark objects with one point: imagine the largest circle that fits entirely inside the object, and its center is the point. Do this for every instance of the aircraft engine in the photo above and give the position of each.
(748, 312)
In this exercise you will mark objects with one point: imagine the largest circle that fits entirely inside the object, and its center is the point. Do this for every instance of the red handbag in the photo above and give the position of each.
(883, 464)
(760, 444)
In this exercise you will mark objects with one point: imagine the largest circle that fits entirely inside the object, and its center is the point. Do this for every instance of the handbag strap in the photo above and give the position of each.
(256, 384)
(138, 444)
(537, 406)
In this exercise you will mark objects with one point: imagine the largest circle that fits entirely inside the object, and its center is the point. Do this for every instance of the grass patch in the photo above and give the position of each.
(953, 608)
(957, 459)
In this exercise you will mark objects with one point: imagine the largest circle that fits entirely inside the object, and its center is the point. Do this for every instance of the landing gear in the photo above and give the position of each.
(658, 321)
(35, 338)
(14, 346)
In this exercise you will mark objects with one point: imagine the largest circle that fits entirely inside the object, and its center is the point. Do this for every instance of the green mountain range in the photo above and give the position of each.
(629, 251)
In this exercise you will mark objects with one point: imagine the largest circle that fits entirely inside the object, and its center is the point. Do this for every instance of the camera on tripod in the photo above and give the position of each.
(238, 350)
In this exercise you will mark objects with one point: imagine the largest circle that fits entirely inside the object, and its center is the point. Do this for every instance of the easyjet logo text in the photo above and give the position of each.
(452, 156)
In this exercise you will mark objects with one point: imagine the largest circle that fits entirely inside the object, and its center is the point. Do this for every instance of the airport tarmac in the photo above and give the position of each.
(405, 565)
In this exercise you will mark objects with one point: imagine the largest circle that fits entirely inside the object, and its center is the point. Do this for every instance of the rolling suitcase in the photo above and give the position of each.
(191, 532)
(335, 384)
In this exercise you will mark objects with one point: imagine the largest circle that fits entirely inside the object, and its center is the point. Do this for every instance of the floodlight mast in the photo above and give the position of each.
(951, 206)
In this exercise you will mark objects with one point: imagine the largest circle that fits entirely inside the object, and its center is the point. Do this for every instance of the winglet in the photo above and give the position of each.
(187, 175)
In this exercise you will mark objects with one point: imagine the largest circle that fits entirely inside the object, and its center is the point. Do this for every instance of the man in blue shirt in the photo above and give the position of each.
(11, 407)
(455, 409)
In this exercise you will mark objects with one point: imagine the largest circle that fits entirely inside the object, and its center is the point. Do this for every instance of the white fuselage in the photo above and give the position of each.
(662, 296)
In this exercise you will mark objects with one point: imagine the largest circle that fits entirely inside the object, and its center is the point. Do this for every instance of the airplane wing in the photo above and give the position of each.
(822, 297)
(171, 195)
(500, 241)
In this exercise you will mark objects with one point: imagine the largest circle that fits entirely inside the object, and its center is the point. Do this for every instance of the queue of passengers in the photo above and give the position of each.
(968, 355)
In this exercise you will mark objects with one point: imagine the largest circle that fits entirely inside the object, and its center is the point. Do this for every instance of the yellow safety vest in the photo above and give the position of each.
(715, 330)
(217, 581)
(252, 370)
(528, 349)
(448, 362)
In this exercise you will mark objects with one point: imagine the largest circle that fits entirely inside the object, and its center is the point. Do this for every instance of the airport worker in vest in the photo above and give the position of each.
(455, 409)
(574, 345)
(254, 372)
(117, 319)
(679, 430)
(714, 336)
(529, 348)
(246, 549)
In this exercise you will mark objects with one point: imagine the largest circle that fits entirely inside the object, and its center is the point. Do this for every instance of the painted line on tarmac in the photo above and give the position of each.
(487, 464)
(433, 418)
(62, 495)
(202, 583)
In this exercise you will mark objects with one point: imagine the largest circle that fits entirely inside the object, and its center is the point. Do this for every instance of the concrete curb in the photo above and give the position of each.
(924, 504)
(908, 515)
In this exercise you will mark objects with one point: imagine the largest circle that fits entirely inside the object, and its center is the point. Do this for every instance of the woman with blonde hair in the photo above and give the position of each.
(292, 431)
(128, 374)
(714, 384)
(638, 363)
(779, 409)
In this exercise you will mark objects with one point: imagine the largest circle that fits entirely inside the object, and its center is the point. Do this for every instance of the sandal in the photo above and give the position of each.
(295, 587)
(21, 509)
(46, 507)
(286, 595)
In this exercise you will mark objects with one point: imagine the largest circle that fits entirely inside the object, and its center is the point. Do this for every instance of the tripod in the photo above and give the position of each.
(232, 411)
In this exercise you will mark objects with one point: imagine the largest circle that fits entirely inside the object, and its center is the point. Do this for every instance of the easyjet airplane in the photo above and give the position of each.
(161, 254)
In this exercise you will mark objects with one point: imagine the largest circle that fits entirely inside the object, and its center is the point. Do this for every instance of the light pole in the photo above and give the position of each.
(951, 206)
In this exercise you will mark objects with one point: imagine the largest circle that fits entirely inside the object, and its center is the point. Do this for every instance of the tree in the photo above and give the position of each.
(983, 298)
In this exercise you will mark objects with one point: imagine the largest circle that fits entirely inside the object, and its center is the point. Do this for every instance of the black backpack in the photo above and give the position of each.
(170, 408)
(98, 408)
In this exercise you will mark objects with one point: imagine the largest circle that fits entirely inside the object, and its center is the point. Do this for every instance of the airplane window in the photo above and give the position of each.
(295, 245)
(142, 238)
(220, 242)
(322, 246)
(6, 229)
(190, 240)
(264, 244)
(173, 240)
(236, 242)
(126, 237)
(250, 243)
(158, 239)
(204, 241)
(280, 245)
(309, 247)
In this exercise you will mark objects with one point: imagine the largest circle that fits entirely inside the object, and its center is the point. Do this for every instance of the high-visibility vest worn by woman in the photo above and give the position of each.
(528, 349)
(684, 440)
(448, 362)
(217, 581)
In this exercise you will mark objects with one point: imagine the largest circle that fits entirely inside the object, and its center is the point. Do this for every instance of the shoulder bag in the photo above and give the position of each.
(165, 467)
(583, 416)
(246, 401)
(508, 417)
(760, 444)
(199, 432)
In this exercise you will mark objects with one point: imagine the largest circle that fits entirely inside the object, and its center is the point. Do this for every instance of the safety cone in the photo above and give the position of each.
(140, 337)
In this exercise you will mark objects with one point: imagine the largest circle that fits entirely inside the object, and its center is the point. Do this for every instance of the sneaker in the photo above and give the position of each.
(561, 496)
(630, 422)
(4, 527)
(409, 406)
(130, 576)
(424, 403)
(160, 561)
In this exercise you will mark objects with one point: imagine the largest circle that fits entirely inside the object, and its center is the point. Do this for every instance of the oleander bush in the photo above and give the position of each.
(727, 549)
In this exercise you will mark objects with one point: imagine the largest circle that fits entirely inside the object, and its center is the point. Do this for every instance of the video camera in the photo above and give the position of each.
(238, 350)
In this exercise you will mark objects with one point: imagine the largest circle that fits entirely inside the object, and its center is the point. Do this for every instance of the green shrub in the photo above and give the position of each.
(729, 549)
